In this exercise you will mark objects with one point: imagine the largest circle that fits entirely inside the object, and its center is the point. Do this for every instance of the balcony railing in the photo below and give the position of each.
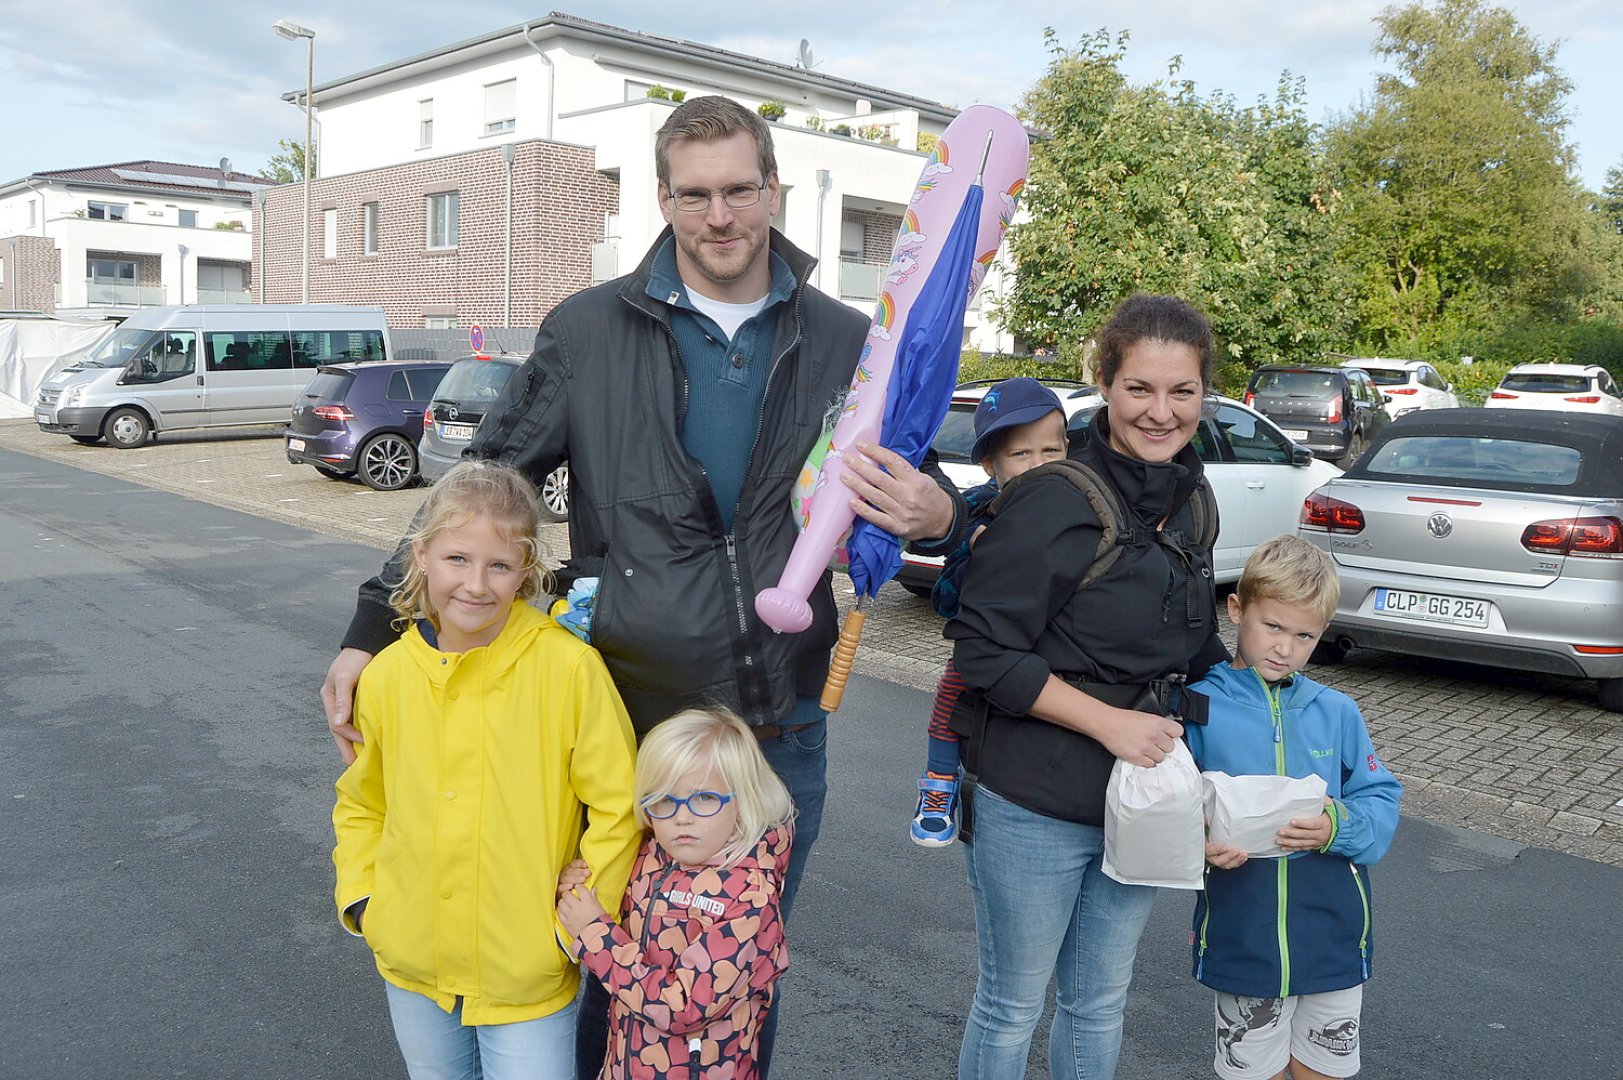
(860, 281)
(124, 294)
(224, 296)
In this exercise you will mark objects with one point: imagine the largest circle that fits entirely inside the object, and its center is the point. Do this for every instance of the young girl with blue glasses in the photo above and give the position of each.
(691, 967)
(490, 732)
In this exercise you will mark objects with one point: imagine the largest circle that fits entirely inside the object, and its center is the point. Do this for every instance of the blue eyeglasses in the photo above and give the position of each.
(701, 803)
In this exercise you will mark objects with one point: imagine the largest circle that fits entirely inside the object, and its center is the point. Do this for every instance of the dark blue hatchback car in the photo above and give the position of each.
(364, 419)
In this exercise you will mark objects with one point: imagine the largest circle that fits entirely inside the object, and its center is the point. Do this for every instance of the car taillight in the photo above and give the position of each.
(1592, 537)
(333, 412)
(1587, 399)
(1500, 395)
(1401, 390)
(1332, 415)
(428, 416)
(1331, 515)
(1249, 397)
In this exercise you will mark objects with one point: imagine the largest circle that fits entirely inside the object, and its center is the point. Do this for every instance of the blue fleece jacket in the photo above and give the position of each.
(1301, 924)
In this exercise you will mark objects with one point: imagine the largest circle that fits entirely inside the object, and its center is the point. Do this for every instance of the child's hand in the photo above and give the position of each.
(578, 908)
(1306, 834)
(576, 873)
(1225, 856)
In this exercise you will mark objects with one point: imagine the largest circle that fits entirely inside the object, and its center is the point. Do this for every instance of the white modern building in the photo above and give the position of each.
(108, 239)
(490, 178)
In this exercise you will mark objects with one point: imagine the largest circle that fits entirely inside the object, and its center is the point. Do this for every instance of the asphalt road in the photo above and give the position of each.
(165, 784)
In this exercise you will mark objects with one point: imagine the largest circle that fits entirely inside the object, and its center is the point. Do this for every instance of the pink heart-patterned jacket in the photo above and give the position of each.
(691, 967)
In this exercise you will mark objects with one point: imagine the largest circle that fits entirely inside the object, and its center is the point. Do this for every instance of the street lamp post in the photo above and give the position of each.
(293, 31)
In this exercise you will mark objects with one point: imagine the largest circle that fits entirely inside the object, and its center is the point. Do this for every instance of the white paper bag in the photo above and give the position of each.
(1154, 832)
(1246, 811)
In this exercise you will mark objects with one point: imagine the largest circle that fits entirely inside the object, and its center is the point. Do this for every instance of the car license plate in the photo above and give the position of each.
(295, 444)
(457, 432)
(1295, 435)
(1429, 607)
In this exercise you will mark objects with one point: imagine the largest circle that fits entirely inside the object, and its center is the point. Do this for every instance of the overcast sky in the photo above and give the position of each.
(89, 82)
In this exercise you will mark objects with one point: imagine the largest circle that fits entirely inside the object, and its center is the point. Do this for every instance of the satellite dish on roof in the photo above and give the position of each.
(805, 59)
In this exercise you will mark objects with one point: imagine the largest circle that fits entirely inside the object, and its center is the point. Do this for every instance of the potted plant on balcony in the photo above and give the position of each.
(772, 110)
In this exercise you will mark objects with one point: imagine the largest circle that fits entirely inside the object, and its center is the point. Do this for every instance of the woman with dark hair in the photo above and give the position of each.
(1076, 675)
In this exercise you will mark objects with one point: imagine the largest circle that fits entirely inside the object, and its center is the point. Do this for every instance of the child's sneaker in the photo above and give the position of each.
(932, 821)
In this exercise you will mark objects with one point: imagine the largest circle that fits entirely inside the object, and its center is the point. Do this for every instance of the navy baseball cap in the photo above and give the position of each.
(1010, 403)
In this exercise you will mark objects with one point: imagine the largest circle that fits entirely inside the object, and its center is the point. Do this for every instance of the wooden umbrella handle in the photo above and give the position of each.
(845, 651)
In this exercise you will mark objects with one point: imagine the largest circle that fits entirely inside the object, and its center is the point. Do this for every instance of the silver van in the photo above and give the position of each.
(203, 365)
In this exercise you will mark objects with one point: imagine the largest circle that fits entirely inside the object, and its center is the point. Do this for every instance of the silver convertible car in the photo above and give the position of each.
(1482, 535)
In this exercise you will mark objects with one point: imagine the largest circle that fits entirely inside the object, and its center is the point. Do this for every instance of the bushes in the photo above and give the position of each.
(972, 365)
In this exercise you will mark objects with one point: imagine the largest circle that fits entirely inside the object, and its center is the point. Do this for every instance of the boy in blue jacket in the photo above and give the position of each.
(1286, 942)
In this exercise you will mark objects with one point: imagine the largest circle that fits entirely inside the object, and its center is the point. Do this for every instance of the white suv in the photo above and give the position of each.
(1260, 477)
(1568, 387)
(1407, 384)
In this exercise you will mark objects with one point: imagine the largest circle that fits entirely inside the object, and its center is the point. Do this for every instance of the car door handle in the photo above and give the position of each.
(1256, 485)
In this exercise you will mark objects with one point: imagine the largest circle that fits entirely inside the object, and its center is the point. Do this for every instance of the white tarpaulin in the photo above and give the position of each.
(32, 349)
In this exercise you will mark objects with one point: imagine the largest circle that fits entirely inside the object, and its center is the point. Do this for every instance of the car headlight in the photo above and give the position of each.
(71, 395)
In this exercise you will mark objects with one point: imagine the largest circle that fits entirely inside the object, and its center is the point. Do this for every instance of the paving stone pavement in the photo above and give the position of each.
(1523, 756)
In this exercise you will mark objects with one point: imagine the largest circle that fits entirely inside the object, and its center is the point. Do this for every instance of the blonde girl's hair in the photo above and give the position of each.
(714, 739)
(470, 491)
(1293, 571)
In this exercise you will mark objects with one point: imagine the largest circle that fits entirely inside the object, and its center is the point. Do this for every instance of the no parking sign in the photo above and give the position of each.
(476, 337)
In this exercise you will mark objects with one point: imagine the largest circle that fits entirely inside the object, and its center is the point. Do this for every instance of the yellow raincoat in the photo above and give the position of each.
(464, 804)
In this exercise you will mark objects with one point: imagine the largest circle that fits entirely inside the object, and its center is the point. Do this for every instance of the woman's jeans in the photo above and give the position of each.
(437, 1046)
(1044, 908)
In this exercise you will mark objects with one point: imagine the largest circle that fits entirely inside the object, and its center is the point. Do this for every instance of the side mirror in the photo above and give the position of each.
(1301, 456)
(1386, 398)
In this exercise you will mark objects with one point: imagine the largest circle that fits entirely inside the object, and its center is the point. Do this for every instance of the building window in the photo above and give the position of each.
(369, 228)
(425, 124)
(501, 106)
(188, 219)
(33, 206)
(442, 220)
(329, 233)
(108, 211)
(439, 322)
(111, 271)
(852, 236)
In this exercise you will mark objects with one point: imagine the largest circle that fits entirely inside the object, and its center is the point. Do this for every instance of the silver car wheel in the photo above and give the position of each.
(388, 463)
(127, 428)
(555, 494)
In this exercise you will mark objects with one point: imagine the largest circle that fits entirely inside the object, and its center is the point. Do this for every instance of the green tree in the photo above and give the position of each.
(1462, 213)
(286, 166)
(1610, 203)
(1155, 188)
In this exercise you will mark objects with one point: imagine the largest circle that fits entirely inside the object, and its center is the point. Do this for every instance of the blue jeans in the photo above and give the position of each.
(800, 758)
(437, 1046)
(1044, 909)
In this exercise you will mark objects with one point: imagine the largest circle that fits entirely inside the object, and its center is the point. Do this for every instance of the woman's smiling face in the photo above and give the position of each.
(1155, 400)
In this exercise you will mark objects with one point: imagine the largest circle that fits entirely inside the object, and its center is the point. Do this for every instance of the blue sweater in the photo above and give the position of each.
(1301, 924)
(726, 380)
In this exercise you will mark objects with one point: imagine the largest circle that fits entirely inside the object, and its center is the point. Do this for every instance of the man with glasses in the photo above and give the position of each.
(685, 397)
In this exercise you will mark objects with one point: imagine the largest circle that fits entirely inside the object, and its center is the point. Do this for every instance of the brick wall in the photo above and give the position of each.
(878, 234)
(559, 203)
(33, 269)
